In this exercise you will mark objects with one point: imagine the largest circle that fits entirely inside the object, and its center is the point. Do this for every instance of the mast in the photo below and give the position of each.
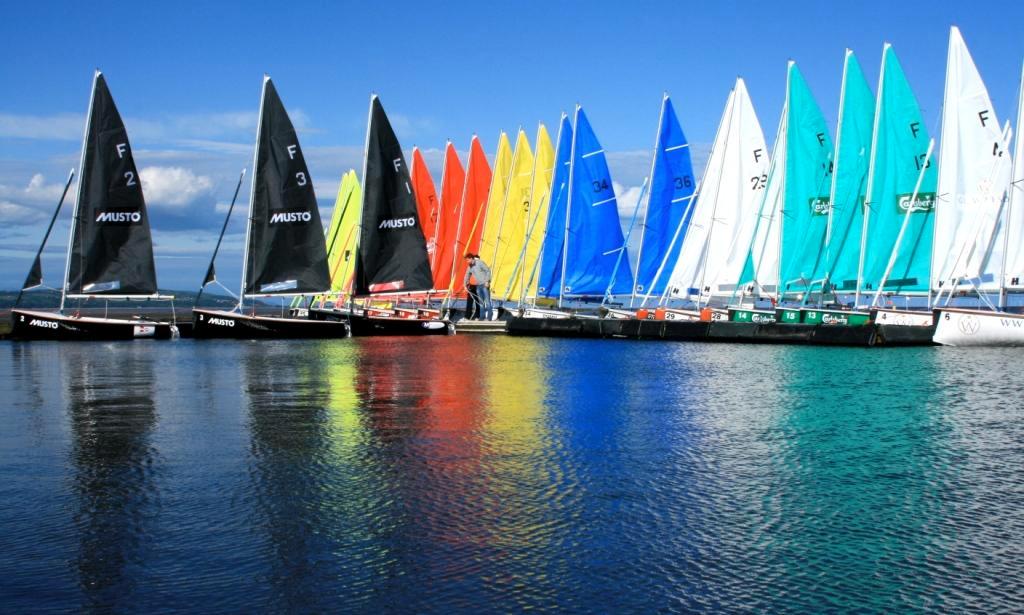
(871, 179)
(1018, 151)
(39, 253)
(647, 211)
(504, 201)
(732, 108)
(440, 206)
(903, 227)
(835, 174)
(782, 187)
(551, 191)
(568, 204)
(252, 192)
(359, 236)
(78, 193)
(220, 238)
(532, 211)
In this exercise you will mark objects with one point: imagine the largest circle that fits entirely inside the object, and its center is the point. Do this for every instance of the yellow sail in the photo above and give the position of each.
(540, 191)
(344, 231)
(495, 202)
(512, 234)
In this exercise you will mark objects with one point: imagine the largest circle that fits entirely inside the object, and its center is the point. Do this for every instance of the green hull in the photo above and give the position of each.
(836, 317)
(754, 316)
(789, 316)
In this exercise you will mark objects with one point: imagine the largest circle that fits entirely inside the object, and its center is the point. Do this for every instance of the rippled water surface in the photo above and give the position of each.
(482, 474)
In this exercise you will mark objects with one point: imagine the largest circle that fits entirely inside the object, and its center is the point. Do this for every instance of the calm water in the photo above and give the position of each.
(464, 474)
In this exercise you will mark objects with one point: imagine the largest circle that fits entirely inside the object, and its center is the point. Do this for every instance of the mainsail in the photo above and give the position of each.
(426, 199)
(593, 234)
(669, 203)
(516, 214)
(849, 183)
(974, 173)
(806, 185)
(715, 248)
(453, 181)
(1013, 274)
(111, 249)
(343, 233)
(899, 154)
(471, 213)
(549, 278)
(492, 216)
(285, 250)
(540, 195)
(392, 253)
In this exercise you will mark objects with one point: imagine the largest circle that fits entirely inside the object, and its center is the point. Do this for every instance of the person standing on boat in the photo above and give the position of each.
(478, 274)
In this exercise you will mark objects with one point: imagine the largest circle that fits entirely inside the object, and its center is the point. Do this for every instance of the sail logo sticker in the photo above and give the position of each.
(392, 223)
(119, 217)
(925, 203)
(291, 217)
(820, 206)
(224, 322)
(46, 324)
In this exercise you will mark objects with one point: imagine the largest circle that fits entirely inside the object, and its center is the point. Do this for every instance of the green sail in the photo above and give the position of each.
(806, 186)
(849, 185)
(898, 153)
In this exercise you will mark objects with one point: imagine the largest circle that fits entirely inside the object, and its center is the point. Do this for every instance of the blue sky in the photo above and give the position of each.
(186, 78)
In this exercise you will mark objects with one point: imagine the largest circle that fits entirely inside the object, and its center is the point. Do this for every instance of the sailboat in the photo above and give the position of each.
(391, 256)
(453, 182)
(110, 250)
(590, 244)
(285, 252)
(972, 234)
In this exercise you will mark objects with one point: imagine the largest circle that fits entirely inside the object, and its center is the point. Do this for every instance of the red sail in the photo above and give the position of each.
(426, 199)
(453, 182)
(471, 215)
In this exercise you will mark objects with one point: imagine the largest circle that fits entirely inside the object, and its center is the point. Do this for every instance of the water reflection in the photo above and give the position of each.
(112, 415)
(471, 474)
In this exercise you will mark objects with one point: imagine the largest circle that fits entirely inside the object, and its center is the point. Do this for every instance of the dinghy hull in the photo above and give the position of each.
(364, 326)
(32, 325)
(959, 327)
(218, 324)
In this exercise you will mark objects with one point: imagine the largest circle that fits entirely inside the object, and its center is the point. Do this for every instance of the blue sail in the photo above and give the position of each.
(550, 277)
(669, 203)
(594, 233)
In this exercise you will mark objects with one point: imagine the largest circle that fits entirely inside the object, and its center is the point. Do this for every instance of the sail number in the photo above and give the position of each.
(683, 182)
(599, 185)
(758, 181)
(919, 160)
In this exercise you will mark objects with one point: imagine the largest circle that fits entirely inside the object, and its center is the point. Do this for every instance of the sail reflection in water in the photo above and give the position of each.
(470, 474)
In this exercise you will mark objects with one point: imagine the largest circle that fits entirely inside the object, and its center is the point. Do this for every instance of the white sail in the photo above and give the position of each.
(974, 172)
(763, 249)
(714, 251)
(1015, 223)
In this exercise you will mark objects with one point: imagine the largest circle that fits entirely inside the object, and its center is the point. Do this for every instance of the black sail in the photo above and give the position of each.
(392, 251)
(286, 238)
(111, 247)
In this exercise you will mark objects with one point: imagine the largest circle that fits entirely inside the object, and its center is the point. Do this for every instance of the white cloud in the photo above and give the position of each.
(173, 187)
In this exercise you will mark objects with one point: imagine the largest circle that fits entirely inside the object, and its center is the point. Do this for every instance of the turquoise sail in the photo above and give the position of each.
(898, 154)
(594, 236)
(549, 279)
(849, 183)
(669, 203)
(808, 179)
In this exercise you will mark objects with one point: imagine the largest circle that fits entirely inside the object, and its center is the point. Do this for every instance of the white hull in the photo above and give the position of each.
(957, 327)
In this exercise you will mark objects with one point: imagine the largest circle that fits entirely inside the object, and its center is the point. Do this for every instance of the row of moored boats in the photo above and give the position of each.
(875, 237)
